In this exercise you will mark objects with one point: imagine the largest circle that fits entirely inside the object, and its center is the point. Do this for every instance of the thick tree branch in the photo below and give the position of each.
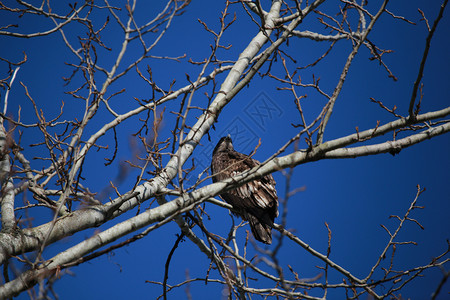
(7, 186)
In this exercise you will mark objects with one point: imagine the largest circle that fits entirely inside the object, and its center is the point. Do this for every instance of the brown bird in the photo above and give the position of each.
(255, 201)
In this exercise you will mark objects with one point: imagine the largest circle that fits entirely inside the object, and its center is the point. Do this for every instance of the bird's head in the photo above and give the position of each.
(224, 144)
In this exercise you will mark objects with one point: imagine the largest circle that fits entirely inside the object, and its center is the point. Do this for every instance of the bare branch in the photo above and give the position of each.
(424, 59)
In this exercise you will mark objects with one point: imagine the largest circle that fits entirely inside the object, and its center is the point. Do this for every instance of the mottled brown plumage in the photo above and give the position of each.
(255, 201)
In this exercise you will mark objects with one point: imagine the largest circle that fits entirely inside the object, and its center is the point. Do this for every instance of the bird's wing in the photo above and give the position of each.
(259, 193)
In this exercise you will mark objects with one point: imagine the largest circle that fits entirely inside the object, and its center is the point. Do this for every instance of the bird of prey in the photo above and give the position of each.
(255, 201)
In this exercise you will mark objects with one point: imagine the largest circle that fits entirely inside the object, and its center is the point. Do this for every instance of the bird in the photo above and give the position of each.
(255, 201)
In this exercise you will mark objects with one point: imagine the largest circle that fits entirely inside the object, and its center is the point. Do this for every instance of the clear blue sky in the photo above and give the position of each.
(354, 196)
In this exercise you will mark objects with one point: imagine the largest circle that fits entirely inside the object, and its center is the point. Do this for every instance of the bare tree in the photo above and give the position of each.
(110, 45)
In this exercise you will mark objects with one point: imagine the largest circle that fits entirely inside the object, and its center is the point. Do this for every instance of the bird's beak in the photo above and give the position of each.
(229, 136)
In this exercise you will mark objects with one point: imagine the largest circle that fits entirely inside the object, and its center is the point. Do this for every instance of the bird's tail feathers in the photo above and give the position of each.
(261, 231)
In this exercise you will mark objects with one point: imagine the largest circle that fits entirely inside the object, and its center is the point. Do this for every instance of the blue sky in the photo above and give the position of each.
(353, 196)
